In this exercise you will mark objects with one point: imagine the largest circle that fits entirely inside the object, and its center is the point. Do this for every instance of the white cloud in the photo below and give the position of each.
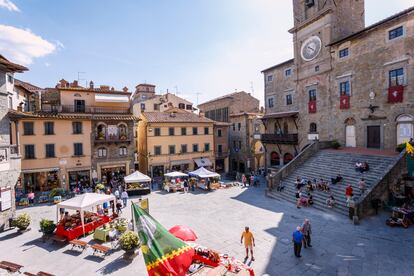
(22, 46)
(7, 4)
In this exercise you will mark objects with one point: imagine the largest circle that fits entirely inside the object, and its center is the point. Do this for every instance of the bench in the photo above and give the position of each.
(29, 274)
(79, 244)
(42, 273)
(12, 267)
(100, 248)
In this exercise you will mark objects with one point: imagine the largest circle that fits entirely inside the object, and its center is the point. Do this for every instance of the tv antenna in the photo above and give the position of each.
(197, 94)
(176, 90)
(252, 88)
(79, 78)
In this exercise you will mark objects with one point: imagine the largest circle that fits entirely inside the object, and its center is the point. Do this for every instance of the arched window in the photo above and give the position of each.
(123, 151)
(102, 152)
(274, 159)
(313, 128)
(405, 128)
(122, 130)
(287, 158)
(101, 131)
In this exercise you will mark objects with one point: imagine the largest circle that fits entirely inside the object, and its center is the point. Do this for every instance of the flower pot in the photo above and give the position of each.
(129, 255)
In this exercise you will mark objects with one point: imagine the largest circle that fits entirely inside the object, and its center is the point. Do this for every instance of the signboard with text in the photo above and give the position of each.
(6, 199)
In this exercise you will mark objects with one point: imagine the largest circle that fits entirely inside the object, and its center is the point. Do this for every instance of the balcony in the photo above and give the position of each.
(85, 109)
(105, 138)
(283, 139)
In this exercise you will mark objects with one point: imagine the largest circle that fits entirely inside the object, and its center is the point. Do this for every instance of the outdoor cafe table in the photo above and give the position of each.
(101, 234)
(76, 232)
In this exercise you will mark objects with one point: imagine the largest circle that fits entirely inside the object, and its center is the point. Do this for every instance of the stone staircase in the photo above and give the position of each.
(327, 164)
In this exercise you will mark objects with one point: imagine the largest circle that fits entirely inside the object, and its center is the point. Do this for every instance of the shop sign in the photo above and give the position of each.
(3, 156)
(6, 199)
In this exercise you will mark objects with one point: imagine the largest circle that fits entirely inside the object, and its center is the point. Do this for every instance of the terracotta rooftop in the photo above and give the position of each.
(280, 115)
(278, 65)
(27, 86)
(373, 26)
(13, 114)
(223, 97)
(10, 66)
(175, 117)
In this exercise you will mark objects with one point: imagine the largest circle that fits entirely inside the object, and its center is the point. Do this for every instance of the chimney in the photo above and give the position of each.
(75, 83)
(125, 89)
(91, 85)
(62, 83)
(172, 115)
(104, 87)
(112, 88)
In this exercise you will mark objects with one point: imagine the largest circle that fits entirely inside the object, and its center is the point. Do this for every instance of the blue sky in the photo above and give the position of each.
(212, 47)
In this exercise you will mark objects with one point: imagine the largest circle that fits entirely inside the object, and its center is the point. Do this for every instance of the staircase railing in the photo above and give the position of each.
(302, 157)
(380, 190)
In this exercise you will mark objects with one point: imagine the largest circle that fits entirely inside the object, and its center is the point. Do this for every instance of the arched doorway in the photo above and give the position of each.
(404, 128)
(350, 137)
(274, 159)
(287, 158)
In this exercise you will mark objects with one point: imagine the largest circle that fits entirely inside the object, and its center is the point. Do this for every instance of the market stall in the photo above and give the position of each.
(174, 181)
(86, 218)
(137, 183)
(206, 179)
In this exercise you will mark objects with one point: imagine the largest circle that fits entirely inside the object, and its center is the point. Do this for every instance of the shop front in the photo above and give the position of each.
(220, 165)
(41, 180)
(112, 173)
(79, 178)
(181, 165)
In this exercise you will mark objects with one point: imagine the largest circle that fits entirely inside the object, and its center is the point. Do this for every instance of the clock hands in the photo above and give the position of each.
(310, 48)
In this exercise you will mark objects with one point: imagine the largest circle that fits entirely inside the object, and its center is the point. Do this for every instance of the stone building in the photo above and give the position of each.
(174, 140)
(346, 82)
(9, 155)
(221, 146)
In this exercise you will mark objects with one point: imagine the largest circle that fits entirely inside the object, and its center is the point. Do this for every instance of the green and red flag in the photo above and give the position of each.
(164, 254)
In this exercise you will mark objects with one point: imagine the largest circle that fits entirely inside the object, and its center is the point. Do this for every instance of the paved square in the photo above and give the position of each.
(339, 248)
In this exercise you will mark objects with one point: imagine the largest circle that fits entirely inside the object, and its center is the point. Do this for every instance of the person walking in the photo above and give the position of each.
(244, 180)
(306, 231)
(119, 206)
(349, 191)
(185, 186)
(362, 186)
(350, 203)
(124, 197)
(116, 193)
(297, 239)
(248, 238)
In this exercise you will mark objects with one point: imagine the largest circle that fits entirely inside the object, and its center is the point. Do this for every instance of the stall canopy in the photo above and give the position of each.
(137, 177)
(203, 162)
(204, 173)
(175, 174)
(85, 201)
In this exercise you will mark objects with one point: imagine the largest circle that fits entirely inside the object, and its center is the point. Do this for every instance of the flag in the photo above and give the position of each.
(163, 253)
(344, 104)
(409, 148)
(395, 94)
(312, 106)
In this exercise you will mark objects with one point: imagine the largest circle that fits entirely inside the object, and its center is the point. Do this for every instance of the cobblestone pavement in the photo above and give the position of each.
(339, 248)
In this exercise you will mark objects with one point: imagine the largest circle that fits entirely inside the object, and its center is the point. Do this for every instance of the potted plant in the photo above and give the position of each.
(100, 187)
(47, 226)
(128, 242)
(22, 221)
(335, 144)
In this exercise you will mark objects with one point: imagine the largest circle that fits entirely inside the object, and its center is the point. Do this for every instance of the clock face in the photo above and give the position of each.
(311, 48)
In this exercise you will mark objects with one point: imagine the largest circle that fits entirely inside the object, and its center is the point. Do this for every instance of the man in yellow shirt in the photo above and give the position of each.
(248, 242)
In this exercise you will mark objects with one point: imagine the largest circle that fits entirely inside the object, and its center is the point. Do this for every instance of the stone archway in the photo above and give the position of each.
(287, 157)
(405, 127)
(274, 159)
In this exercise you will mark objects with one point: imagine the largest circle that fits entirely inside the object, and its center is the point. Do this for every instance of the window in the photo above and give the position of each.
(234, 144)
(156, 107)
(171, 131)
(219, 148)
(344, 88)
(189, 107)
(195, 131)
(195, 147)
(77, 127)
(313, 128)
(181, 106)
(396, 77)
(183, 148)
(317, 68)
(50, 150)
(142, 106)
(239, 126)
(10, 78)
(343, 53)
(28, 128)
(183, 131)
(102, 152)
(10, 103)
(78, 149)
(270, 102)
(49, 128)
(79, 106)
(219, 133)
(29, 152)
(206, 131)
(157, 150)
(207, 147)
(397, 32)
(288, 72)
(288, 99)
(171, 149)
(240, 145)
(157, 131)
(123, 151)
(234, 127)
(269, 78)
(312, 95)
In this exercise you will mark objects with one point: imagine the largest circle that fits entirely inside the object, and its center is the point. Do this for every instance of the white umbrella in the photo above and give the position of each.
(176, 174)
(137, 177)
(204, 173)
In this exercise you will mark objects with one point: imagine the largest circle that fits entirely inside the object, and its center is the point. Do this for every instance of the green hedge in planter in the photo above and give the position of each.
(47, 226)
(335, 144)
(129, 241)
(23, 221)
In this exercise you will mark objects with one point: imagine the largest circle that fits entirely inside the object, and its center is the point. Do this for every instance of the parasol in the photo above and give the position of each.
(183, 232)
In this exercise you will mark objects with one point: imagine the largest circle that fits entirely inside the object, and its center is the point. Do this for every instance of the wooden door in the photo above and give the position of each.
(374, 137)
(350, 136)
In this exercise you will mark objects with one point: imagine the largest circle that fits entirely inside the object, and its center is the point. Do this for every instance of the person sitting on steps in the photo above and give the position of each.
(337, 179)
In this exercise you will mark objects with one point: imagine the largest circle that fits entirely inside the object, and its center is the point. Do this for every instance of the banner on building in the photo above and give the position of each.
(312, 106)
(344, 102)
(395, 94)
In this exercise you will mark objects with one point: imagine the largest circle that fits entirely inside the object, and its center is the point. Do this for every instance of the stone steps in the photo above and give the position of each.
(326, 165)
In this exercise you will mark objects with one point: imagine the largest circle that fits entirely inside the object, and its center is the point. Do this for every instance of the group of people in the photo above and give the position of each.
(253, 179)
(361, 166)
(302, 237)
(121, 199)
